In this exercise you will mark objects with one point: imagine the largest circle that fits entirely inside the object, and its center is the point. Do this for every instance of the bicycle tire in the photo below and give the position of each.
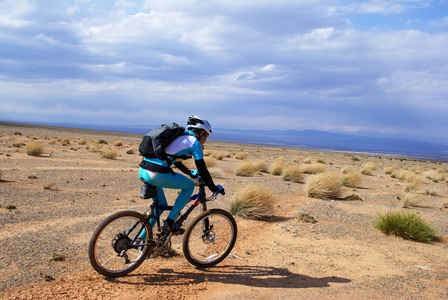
(204, 247)
(110, 239)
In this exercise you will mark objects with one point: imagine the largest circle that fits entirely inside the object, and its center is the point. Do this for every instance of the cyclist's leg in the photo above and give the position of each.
(148, 176)
(176, 181)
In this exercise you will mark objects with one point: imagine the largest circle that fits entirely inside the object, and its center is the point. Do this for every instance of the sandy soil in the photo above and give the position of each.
(61, 196)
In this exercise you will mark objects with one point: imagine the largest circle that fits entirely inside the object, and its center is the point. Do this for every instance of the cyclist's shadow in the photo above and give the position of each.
(255, 276)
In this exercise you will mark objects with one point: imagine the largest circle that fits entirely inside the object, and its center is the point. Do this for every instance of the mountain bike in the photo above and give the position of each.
(123, 241)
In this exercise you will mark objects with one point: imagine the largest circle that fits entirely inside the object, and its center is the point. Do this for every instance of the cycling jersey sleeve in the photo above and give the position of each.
(205, 175)
(183, 168)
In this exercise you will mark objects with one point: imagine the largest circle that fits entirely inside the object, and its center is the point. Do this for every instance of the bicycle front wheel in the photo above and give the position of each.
(116, 247)
(210, 238)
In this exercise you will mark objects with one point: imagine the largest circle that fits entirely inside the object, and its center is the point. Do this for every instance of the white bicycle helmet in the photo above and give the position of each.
(195, 122)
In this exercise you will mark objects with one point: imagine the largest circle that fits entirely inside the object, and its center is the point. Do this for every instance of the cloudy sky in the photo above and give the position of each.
(339, 65)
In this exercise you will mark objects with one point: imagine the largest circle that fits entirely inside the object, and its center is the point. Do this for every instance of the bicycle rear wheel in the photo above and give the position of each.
(210, 238)
(111, 251)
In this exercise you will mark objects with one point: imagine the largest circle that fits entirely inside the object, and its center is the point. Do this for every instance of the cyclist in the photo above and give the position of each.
(157, 172)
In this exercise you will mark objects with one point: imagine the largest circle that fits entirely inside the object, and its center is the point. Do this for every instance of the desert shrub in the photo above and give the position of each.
(352, 180)
(219, 155)
(110, 153)
(292, 173)
(278, 165)
(321, 161)
(409, 199)
(118, 144)
(408, 176)
(57, 257)
(210, 161)
(94, 147)
(413, 186)
(305, 217)
(347, 170)
(419, 170)
(130, 151)
(52, 141)
(103, 142)
(312, 168)
(253, 202)
(207, 152)
(65, 141)
(324, 186)
(307, 160)
(240, 155)
(408, 225)
(391, 169)
(432, 192)
(82, 141)
(435, 175)
(297, 159)
(18, 144)
(260, 166)
(368, 168)
(216, 172)
(245, 169)
(34, 148)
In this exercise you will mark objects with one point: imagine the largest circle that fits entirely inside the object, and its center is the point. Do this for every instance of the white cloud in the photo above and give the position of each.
(295, 62)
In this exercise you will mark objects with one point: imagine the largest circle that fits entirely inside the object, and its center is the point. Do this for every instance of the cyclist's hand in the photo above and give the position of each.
(194, 174)
(220, 190)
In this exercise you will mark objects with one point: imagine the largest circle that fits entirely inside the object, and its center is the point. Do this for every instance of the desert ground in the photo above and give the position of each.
(50, 205)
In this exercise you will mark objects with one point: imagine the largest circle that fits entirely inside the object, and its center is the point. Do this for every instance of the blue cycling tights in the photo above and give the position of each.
(171, 181)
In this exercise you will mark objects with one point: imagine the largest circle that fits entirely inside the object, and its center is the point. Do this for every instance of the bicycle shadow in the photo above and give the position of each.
(253, 276)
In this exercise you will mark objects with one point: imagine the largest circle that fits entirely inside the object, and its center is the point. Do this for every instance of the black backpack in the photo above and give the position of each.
(155, 142)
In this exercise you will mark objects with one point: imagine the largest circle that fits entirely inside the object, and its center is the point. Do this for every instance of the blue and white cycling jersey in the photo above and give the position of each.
(184, 145)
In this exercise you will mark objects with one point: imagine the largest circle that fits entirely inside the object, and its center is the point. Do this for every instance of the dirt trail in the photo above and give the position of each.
(340, 256)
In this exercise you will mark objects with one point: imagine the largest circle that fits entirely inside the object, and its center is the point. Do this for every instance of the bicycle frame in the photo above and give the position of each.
(198, 198)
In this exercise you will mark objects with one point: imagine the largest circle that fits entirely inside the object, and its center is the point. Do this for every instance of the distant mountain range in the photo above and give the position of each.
(307, 139)
(315, 139)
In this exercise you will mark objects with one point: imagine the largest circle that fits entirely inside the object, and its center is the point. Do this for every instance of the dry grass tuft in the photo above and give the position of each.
(118, 144)
(82, 141)
(260, 166)
(253, 202)
(219, 155)
(110, 154)
(368, 168)
(409, 199)
(324, 186)
(240, 155)
(278, 165)
(297, 159)
(391, 169)
(435, 175)
(34, 148)
(307, 160)
(312, 168)
(352, 180)
(245, 169)
(210, 161)
(95, 147)
(347, 170)
(216, 172)
(293, 173)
